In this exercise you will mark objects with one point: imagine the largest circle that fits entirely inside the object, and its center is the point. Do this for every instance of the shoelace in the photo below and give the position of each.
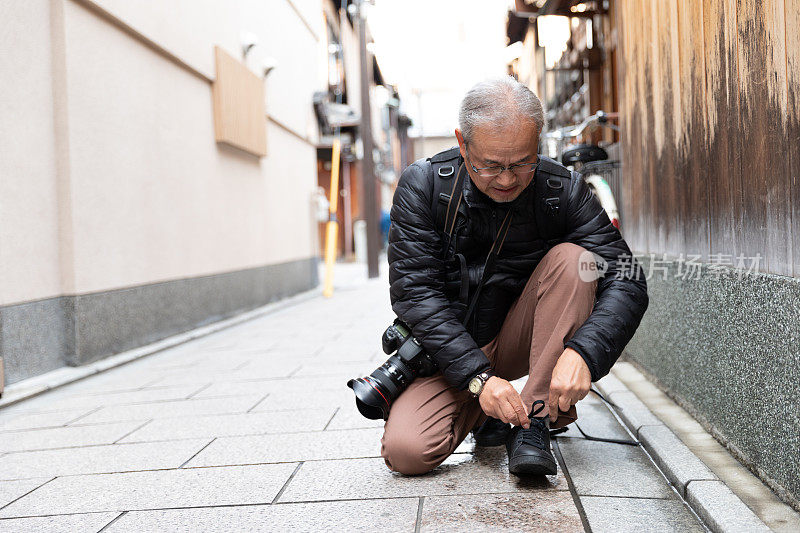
(613, 407)
(533, 435)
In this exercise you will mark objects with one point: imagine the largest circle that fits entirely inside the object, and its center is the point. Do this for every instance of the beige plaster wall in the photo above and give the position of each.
(190, 28)
(29, 244)
(149, 195)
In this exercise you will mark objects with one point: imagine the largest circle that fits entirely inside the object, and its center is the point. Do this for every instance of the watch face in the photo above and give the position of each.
(475, 385)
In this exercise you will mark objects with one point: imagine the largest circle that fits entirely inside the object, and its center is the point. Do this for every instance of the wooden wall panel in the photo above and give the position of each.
(691, 136)
(721, 127)
(654, 105)
(630, 190)
(709, 109)
(792, 10)
(668, 113)
(239, 112)
(762, 108)
(642, 71)
(634, 125)
(639, 115)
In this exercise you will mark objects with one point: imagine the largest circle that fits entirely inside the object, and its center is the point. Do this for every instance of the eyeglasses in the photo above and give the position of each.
(520, 169)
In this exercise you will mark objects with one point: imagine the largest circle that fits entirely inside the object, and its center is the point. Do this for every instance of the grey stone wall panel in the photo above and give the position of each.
(726, 347)
(40, 336)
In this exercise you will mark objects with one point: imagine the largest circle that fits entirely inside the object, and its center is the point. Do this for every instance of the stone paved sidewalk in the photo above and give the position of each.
(252, 429)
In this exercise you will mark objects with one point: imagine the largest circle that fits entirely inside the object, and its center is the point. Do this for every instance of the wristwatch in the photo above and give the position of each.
(476, 384)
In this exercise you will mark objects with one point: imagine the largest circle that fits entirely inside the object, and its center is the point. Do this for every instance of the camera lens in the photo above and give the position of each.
(376, 392)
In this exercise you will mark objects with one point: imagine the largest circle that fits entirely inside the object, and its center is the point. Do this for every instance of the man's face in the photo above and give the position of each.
(491, 147)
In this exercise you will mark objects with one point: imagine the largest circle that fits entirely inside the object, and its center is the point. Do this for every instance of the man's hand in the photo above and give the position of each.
(501, 400)
(570, 382)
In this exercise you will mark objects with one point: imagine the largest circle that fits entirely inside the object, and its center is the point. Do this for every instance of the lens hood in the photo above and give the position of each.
(370, 401)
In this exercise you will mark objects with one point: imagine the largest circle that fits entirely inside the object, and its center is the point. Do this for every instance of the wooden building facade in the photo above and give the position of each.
(710, 116)
(708, 96)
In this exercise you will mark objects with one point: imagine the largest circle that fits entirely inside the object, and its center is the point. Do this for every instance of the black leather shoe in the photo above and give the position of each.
(529, 449)
(493, 432)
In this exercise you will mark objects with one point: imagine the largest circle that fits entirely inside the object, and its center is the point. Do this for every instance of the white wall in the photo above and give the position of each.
(150, 196)
(29, 244)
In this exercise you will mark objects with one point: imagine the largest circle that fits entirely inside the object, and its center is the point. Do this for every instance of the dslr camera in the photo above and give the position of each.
(407, 361)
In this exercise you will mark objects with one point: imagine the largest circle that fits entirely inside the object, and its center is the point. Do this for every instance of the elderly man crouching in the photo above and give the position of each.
(536, 312)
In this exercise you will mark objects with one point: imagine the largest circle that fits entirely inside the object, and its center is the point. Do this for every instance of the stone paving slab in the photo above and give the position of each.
(188, 359)
(335, 368)
(118, 379)
(323, 399)
(98, 459)
(486, 472)
(274, 370)
(58, 524)
(173, 409)
(348, 417)
(391, 515)
(158, 489)
(358, 352)
(271, 367)
(595, 420)
(289, 386)
(17, 419)
(552, 511)
(199, 365)
(310, 348)
(638, 515)
(88, 387)
(307, 446)
(207, 375)
(62, 437)
(606, 469)
(11, 490)
(62, 400)
(231, 425)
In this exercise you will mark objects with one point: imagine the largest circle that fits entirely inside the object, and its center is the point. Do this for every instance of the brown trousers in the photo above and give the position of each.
(430, 419)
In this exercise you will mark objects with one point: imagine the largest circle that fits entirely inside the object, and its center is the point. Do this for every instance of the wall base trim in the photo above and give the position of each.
(44, 335)
(28, 388)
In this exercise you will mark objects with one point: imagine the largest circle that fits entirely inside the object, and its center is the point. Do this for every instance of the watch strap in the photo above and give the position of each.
(483, 377)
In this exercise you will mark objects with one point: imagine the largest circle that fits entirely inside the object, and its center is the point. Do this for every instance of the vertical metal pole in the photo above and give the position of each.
(368, 190)
(332, 228)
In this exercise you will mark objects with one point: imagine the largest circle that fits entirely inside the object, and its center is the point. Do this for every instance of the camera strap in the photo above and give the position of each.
(449, 226)
(488, 265)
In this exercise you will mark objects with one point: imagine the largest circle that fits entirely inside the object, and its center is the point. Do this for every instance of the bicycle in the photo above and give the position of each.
(599, 171)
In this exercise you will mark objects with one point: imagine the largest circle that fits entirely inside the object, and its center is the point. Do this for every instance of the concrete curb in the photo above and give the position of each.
(34, 386)
(719, 508)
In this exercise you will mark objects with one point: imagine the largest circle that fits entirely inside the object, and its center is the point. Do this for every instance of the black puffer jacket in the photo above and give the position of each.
(418, 273)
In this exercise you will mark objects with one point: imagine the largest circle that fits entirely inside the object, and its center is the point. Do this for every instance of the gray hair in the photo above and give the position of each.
(498, 102)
